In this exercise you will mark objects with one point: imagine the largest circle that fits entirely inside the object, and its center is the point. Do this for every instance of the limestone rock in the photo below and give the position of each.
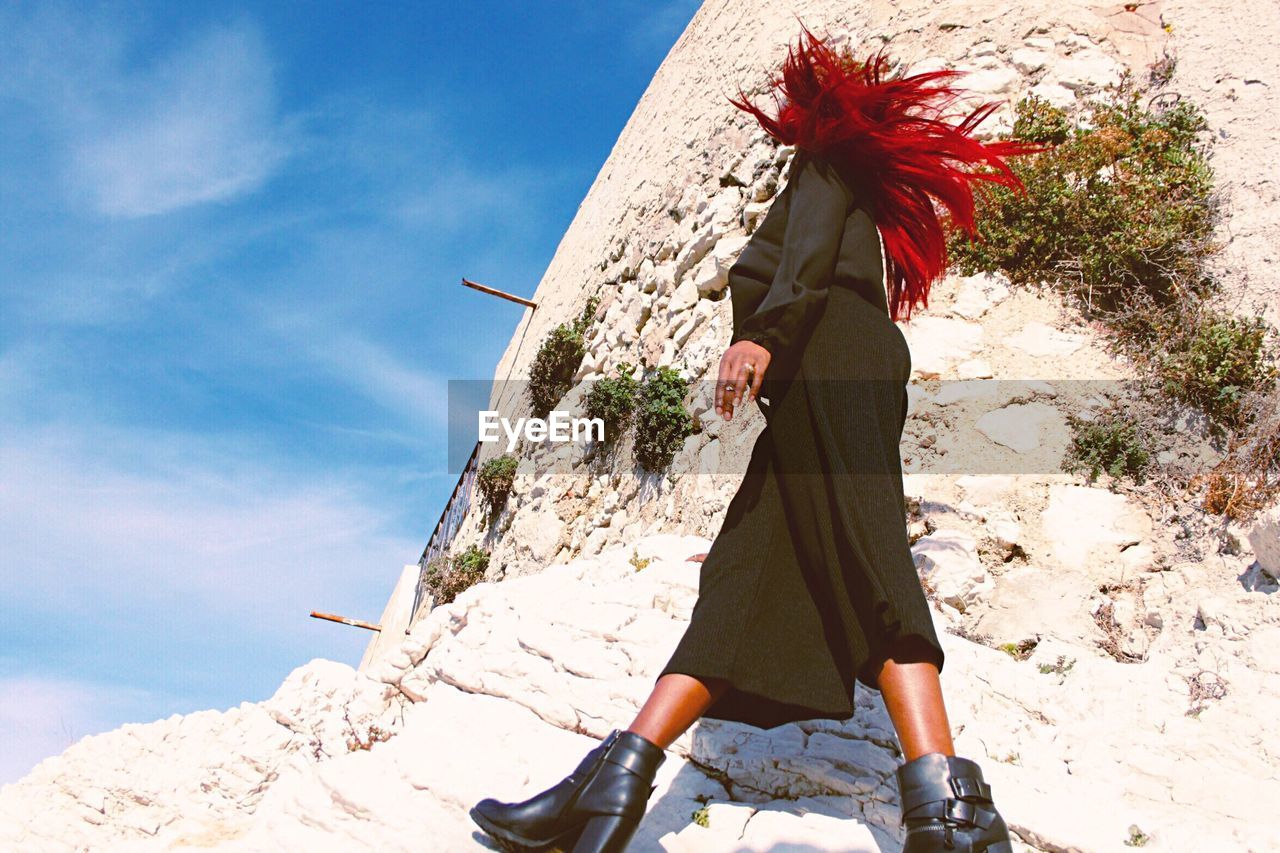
(937, 342)
(1083, 523)
(1264, 538)
(948, 563)
(1045, 341)
(1019, 425)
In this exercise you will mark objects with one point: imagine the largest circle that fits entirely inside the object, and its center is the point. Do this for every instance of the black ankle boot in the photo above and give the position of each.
(947, 806)
(597, 807)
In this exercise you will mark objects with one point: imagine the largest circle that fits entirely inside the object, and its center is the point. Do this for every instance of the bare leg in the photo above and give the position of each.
(677, 701)
(913, 696)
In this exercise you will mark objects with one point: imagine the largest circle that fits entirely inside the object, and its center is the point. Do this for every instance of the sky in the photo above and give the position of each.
(231, 243)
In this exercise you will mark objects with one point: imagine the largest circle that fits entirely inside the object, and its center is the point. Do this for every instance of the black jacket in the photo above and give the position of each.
(818, 233)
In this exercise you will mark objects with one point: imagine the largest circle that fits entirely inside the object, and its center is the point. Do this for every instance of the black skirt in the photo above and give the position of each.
(811, 578)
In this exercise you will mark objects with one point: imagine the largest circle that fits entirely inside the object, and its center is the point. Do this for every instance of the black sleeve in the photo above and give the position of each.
(819, 203)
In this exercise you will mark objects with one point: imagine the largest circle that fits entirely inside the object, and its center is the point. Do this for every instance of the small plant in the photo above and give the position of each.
(376, 734)
(1216, 363)
(1248, 479)
(662, 421)
(448, 575)
(702, 817)
(495, 478)
(1137, 838)
(1062, 666)
(1160, 72)
(1204, 687)
(638, 561)
(1112, 442)
(1020, 650)
(558, 359)
(471, 563)
(613, 400)
(1039, 121)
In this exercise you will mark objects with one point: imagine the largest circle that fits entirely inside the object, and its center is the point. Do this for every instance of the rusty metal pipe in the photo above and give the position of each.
(499, 293)
(346, 620)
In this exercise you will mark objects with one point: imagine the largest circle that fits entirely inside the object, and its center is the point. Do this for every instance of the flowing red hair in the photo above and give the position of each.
(891, 129)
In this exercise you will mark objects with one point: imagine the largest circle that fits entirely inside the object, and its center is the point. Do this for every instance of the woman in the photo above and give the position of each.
(810, 584)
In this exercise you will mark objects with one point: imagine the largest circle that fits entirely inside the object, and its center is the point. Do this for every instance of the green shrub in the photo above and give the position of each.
(613, 400)
(558, 359)
(448, 575)
(1119, 214)
(1216, 362)
(1121, 204)
(494, 481)
(1111, 442)
(662, 421)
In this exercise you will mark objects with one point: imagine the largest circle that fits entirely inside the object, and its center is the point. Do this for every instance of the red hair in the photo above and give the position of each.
(893, 130)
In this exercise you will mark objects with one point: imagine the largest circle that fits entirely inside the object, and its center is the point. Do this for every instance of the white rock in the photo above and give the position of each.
(1082, 523)
(992, 81)
(974, 368)
(697, 247)
(709, 277)
(727, 250)
(684, 298)
(986, 489)
(1085, 71)
(1042, 340)
(979, 293)
(724, 208)
(664, 278)
(937, 342)
(1264, 538)
(537, 534)
(1019, 426)
(1028, 59)
(948, 561)
(1139, 558)
(1055, 94)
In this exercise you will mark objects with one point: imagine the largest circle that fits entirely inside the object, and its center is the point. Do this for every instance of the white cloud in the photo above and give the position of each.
(41, 717)
(456, 198)
(418, 396)
(200, 127)
(422, 396)
(96, 517)
(200, 124)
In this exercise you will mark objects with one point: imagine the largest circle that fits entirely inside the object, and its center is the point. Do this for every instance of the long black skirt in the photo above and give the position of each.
(810, 581)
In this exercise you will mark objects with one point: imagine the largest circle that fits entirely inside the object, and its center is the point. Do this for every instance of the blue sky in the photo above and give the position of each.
(231, 236)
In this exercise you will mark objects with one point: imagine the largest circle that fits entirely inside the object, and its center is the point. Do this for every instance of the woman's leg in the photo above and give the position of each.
(927, 786)
(913, 696)
(677, 701)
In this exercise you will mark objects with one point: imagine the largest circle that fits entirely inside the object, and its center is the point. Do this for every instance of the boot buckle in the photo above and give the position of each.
(967, 813)
(967, 786)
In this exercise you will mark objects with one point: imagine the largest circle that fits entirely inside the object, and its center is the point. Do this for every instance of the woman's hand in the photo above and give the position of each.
(741, 371)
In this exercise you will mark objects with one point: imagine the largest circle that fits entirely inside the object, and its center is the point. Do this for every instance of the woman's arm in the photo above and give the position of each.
(818, 207)
(819, 203)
